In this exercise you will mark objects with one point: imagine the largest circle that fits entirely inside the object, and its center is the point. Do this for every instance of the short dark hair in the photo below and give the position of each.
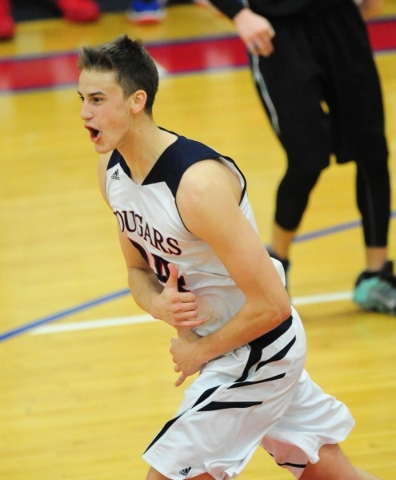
(134, 67)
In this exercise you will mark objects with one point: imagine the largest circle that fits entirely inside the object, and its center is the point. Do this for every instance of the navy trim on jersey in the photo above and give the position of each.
(117, 159)
(174, 161)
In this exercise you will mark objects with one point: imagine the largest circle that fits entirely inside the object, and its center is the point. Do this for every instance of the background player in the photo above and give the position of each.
(314, 71)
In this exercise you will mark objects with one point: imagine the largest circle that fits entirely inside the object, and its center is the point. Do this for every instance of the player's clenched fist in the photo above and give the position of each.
(178, 309)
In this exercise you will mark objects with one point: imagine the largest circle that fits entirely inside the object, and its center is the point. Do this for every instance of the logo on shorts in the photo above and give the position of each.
(185, 471)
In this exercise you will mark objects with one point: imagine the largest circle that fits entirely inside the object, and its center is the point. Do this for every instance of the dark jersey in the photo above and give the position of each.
(273, 8)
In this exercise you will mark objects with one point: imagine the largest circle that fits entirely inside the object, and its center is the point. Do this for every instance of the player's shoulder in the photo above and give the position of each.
(207, 175)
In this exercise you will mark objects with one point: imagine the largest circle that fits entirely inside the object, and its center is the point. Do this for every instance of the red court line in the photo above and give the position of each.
(48, 71)
(199, 55)
(35, 73)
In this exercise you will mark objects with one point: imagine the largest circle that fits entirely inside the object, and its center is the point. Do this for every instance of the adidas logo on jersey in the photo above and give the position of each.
(185, 471)
(115, 175)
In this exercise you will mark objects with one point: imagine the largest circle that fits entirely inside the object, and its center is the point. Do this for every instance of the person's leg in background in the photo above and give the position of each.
(291, 202)
(375, 288)
(293, 105)
(373, 200)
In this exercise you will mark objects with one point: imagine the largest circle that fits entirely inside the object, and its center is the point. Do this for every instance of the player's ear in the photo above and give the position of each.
(138, 101)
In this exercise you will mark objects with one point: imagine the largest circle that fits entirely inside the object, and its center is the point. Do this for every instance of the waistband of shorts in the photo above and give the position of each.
(274, 334)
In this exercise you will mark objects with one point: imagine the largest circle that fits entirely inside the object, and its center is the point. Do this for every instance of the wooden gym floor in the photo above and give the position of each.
(86, 379)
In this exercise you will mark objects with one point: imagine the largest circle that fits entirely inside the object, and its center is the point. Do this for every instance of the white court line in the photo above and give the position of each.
(91, 324)
(137, 319)
(322, 298)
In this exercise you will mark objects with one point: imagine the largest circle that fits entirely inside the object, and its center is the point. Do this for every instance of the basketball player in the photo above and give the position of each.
(195, 260)
(313, 68)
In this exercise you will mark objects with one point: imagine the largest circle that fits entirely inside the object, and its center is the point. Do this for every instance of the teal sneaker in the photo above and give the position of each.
(377, 292)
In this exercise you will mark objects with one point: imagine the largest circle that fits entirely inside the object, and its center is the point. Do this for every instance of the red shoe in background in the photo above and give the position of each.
(79, 10)
(7, 24)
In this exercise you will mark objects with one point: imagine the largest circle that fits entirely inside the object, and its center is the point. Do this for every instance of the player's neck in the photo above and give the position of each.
(144, 147)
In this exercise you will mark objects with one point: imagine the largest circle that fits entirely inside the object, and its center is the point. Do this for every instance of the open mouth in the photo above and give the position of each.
(93, 133)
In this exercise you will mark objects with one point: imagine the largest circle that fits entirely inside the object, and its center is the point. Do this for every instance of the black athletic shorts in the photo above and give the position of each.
(320, 89)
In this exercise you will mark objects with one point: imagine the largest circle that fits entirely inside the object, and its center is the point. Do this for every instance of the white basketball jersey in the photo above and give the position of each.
(147, 214)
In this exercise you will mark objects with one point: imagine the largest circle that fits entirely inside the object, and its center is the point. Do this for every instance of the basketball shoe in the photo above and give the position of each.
(146, 12)
(377, 291)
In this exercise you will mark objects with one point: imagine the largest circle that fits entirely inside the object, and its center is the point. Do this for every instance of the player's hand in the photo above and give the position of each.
(182, 350)
(255, 31)
(178, 309)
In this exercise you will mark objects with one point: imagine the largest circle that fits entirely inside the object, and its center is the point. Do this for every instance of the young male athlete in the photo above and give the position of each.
(195, 260)
(313, 68)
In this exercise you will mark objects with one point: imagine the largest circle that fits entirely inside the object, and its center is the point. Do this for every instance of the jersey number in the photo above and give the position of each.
(160, 267)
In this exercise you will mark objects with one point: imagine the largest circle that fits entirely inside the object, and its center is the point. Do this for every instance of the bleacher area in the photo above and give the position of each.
(24, 10)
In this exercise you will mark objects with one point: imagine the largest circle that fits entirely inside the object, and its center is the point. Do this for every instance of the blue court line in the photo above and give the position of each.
(326, 231)
(330, 230)
(63, 313)
(304, 237)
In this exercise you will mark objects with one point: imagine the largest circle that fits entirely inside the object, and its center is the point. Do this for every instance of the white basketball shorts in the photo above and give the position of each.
(258, 394)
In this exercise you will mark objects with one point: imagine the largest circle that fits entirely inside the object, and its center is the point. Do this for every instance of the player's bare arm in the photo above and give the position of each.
(178, 309)
(229, 233)
(255, 31)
